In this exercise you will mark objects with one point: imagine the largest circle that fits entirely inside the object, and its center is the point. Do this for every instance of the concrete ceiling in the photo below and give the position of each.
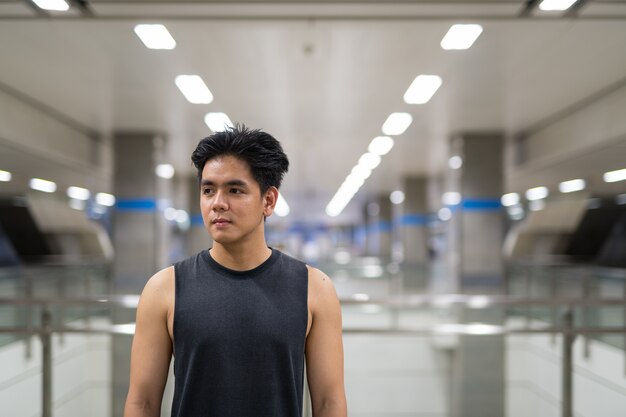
(322, 77)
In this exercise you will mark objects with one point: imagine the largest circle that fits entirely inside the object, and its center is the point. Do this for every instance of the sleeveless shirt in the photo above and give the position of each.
(239, 338)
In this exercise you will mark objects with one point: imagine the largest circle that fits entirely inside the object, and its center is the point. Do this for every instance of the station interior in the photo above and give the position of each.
(457, 168)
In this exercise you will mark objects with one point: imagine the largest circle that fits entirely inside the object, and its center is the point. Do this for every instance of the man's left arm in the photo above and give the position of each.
(324, 349)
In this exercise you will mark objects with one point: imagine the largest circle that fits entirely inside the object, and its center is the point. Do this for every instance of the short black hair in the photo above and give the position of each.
(261, 151)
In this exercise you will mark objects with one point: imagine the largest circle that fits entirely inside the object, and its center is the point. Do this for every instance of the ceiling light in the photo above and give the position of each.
(510, 199)
(360, 297)
(105, 199)
(556, 5)
(217, 122)
(451, 198)
(614, 176)
(422, 89)
(369, 160)
(53, 5)
(572, 185)
(536, 193)
(165, 171)
(155, 36)
(5, 176)
(397, 123)
(455, 162)
(396, 197)
(461, 37)
(381, 145)
(444, 214)
(43, 185)
(170, 214)
(361, 172)
(194, 89)
(78, 193)
(282, 208)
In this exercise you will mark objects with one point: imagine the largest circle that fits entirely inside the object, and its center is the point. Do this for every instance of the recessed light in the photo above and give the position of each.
(422, 89)
(461, 36)
(397, 123)
(52, 5)
(217, 122)
(194, 89)
(5, 176)
(43, 185)
(555, 5)
(536, 193)
(78, 193)
(381, 145)
(105, 199)
(155, 36)
(615, 176)
(572, 185)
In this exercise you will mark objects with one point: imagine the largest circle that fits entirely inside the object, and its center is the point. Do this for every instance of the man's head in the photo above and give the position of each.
(260, 151)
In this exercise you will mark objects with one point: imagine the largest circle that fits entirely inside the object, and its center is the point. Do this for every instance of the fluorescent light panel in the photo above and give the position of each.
(555, 5)
(510, 199)
(52, 5)
(397, 123)
(194, 89)
(155, 36)
(422, 89)
(105, 199)
(615, 176)
(572, 185)
(369, 160)
(537, 193)
(78, 193)
(5, 176)
(165, 171)
(381, 145)
(451, 198)
(217, 122)
(455, 162)
(43, 185)
(397, 197)
(461, 36)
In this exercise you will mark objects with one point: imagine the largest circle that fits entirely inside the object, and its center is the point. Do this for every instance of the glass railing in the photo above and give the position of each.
(553, 346)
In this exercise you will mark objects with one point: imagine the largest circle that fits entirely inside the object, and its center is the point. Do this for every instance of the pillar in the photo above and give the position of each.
(476, 236)
(139, 230)
(198, 237)
(413, 222)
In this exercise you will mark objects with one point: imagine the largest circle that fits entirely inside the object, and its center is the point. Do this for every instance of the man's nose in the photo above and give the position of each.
(219, 201)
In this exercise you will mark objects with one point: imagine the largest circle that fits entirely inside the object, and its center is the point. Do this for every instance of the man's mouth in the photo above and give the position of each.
(220, 221)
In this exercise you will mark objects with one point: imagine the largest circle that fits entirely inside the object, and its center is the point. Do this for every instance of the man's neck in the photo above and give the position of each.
(240, 257)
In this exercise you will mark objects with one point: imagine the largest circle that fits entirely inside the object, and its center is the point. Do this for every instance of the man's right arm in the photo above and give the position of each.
(152, 347)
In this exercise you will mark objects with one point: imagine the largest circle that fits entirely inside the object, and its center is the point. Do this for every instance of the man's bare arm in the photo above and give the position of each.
(324, 349)
(152, 348)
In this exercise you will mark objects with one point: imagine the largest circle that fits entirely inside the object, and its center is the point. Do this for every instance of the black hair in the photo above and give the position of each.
(261, 151)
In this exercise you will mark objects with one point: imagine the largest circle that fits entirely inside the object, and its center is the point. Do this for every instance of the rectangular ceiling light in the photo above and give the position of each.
(282, 208)
(537, 193)
(155, 36)
(52, 5)
(78, 193)
(43, 185)
(461, 37)
(615, 176)
(194, 89)
(217, 122)
(397, 123)
(572, 185)
(5, 176)
(556, 5)
(422, 89)
(105, 199)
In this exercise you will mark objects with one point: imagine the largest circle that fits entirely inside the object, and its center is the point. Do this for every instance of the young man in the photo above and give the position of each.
(240, 318)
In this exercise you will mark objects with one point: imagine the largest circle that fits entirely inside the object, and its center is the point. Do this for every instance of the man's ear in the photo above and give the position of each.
(269, 201)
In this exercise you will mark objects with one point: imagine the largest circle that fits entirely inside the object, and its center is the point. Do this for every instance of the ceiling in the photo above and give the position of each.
(322, 76)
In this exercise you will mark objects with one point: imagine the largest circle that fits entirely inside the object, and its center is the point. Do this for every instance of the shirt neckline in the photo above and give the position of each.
(250, 273)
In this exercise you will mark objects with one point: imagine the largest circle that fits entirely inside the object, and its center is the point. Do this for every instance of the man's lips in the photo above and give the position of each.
(220, 221)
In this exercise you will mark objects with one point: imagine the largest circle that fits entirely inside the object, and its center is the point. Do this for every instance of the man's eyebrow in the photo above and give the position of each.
(239, 183)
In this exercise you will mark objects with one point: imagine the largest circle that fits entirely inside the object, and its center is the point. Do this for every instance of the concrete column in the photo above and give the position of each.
(198, 238)
(476, 236)
(414, 221)
(378, 213)
(139, 230)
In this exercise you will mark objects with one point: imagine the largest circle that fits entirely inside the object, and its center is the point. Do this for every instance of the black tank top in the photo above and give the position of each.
(239, 338)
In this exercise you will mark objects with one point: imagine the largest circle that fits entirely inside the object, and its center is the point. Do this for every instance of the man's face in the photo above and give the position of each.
(231, 202)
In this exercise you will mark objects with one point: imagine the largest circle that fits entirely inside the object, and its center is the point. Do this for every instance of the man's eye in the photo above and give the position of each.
(207, 191)
(236, 191)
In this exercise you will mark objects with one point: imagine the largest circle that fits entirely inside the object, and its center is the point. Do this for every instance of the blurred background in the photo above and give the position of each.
(457, 168)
